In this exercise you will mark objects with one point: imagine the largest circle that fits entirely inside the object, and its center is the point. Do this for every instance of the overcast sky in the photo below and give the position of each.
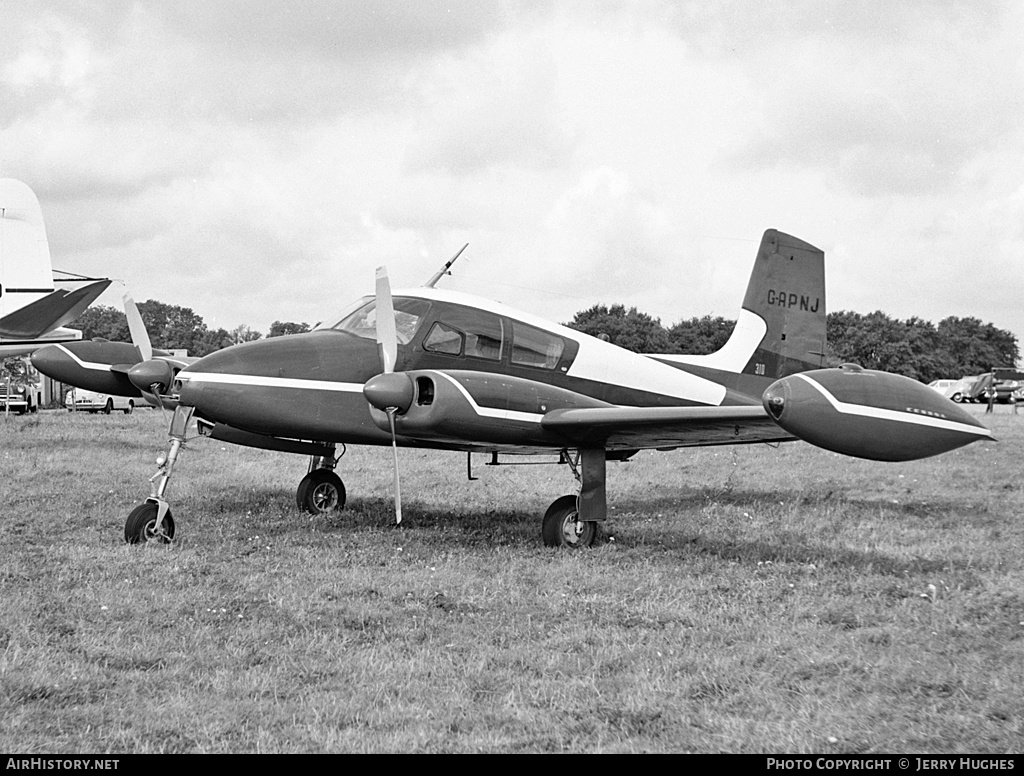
(255, 161)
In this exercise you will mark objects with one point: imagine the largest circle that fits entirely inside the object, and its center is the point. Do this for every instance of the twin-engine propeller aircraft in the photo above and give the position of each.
(435, 369)
(33, 309)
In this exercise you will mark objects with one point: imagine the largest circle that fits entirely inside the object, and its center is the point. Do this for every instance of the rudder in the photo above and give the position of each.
(786, 294)
(25, 269)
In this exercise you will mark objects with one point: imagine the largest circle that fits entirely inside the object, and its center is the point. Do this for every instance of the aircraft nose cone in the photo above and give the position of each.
(390, 390)
(149, 373)
(51, 361)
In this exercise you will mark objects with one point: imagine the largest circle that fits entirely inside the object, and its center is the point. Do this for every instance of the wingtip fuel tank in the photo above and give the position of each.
(870, 414)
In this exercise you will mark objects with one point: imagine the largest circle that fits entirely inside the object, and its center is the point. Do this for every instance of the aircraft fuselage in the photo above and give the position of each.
(503, 369)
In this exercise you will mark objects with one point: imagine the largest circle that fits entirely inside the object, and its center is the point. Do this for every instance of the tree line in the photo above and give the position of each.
(172, 327)
(914, 347)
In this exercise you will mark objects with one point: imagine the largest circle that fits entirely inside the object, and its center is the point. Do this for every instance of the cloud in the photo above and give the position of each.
(887, 102)
(257, 160)
(490, 108)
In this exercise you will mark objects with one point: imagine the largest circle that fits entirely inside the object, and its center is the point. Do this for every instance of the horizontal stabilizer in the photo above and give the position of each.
(52, 311)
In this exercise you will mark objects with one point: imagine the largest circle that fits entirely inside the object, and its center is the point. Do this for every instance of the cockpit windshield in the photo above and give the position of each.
(362, 322)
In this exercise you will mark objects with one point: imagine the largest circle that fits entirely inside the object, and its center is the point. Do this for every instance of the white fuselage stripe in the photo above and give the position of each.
(101, 367)
(269, 382)
(490, 412)
(897, 415)
(84, 364)
(324, 385)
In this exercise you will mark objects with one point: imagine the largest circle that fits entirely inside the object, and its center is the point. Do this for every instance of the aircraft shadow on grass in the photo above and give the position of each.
(434, 369)
(794, 547)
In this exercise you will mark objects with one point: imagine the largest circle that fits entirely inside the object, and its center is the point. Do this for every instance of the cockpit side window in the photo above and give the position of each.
(443, 338)
(467, 332)
(534, 347)
(363, 321)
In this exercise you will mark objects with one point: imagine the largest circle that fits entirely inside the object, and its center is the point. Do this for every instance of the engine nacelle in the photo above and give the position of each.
(870, 414)
(86, 364)
(478, 407)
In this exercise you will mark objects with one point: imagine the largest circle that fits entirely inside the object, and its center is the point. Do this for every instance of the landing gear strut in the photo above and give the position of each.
(151, 521)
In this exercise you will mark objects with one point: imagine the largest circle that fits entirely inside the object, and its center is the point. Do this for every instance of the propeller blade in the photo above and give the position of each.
(140, 337)
(387, 344)
(394, 448)
(387, 334)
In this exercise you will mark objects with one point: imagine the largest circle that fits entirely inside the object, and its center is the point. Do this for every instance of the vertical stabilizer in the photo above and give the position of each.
(25, 271)
(781, 326)
(787, 292)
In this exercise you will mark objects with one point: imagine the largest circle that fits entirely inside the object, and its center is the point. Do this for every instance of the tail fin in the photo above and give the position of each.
(781, 327)
(25, 271)
(787, 293)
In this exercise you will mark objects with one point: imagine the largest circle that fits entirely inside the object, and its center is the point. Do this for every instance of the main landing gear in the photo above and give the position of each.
(562, 526)
(321, 490)
(575, 521)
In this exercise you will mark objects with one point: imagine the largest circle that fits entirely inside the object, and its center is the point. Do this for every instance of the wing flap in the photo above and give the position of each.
(658, 427)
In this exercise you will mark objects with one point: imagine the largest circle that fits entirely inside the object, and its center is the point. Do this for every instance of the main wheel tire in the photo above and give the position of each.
(140, 527)
(108, 406)
(130, 407)
(958, 398)
(563, 528)
(321, 491)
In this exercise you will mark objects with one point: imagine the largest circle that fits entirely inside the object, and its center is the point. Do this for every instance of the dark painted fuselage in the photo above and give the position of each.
(500, 370)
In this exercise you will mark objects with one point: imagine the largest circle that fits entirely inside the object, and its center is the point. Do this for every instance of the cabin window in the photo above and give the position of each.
(443, 338)
(467, 332)
(534, 347)
(363, 322)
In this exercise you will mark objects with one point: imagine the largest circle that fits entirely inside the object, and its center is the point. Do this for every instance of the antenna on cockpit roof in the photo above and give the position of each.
(445, 270)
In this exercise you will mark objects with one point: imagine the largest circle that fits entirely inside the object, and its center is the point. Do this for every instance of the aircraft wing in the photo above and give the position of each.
(663, 427)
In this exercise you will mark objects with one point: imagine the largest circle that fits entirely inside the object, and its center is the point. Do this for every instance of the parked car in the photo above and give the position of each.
(80, 400)
(1006, 391)
(957, 390)
(22, 398)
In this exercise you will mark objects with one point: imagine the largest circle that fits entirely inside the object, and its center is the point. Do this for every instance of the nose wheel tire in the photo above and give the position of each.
(141, 527)
(563, 528)
(321, 491)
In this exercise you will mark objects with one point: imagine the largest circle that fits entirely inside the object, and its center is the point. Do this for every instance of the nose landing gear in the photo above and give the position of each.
(151, 521)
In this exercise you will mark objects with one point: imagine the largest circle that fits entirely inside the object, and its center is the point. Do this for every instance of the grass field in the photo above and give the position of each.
(753, 599)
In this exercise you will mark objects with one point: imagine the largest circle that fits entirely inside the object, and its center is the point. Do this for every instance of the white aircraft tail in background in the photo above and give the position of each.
(33, 311)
